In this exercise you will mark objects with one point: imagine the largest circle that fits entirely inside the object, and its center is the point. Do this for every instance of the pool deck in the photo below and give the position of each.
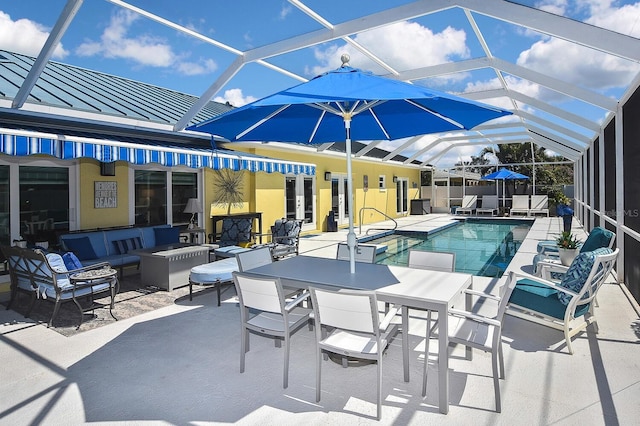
(179, 365)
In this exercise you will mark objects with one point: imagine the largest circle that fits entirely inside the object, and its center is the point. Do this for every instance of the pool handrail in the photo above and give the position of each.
(362, 209)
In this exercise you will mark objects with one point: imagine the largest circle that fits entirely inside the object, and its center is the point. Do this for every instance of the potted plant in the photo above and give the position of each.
(567, 247)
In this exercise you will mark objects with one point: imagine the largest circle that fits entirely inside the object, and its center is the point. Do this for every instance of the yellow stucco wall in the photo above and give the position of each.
(263, 192)
(271, 186)
(91, 217)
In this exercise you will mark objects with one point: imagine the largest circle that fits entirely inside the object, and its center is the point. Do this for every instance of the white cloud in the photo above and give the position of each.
(584, 66)
(406, 45)
(116, 43)
(26, 37)
(235, 98)
(558, 7)
(203, 66)
(285, 11)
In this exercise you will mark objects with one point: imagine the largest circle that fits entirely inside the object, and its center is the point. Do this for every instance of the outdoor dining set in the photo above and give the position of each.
(355, 315)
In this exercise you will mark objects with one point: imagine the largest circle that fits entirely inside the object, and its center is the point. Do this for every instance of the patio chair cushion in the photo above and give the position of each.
(284, 228)
(82, 247)
(599, 237)
(235, 231)
(538, 297)
(578, 272)
(58, 266)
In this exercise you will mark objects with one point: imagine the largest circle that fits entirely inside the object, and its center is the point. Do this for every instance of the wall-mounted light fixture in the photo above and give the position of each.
(327, 176)
(395, 179)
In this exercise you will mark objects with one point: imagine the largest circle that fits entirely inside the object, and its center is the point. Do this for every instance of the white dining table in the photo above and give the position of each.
(409, 287)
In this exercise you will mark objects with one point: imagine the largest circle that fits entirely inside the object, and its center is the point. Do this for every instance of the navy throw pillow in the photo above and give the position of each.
(81, 247)
(167, 235)
(71, 261)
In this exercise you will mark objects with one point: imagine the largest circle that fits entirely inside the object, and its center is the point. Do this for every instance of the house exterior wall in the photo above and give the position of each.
(384, 200)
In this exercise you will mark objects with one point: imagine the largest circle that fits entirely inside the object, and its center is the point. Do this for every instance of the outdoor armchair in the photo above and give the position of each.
(285, 238)
(469, 203)
(46, 277)
(568, 304)
(356, 329)
(489, 205)
(264, 311)
(548, 250)
(234, 232)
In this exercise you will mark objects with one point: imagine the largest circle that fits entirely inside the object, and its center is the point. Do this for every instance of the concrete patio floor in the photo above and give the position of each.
(180, 365)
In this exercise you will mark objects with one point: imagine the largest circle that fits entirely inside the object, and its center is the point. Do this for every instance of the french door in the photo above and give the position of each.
(300, 199)
(339, 199)
(402, 195)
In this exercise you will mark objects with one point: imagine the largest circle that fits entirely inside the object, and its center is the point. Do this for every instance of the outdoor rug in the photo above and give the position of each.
(133, 299)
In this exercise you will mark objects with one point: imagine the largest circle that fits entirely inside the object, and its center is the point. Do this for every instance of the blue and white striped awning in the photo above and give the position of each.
(14, 142)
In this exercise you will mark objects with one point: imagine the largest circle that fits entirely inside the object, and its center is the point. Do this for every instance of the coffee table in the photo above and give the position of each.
(168, 267)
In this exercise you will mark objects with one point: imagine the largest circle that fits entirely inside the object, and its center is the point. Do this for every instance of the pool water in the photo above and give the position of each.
(483, 247)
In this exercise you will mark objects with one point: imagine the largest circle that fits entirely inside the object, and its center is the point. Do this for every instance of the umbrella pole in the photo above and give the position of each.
(351, 236)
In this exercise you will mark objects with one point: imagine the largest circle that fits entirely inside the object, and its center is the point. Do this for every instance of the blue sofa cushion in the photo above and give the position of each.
(578, 273)
(167, 235)
(81, 247)
(123, 246)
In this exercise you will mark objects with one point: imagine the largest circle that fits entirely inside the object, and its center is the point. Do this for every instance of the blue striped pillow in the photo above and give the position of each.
(124, 246)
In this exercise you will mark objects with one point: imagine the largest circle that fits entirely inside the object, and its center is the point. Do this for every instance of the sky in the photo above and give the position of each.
(111, 39)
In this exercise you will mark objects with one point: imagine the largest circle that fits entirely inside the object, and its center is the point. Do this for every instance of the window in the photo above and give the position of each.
(161, 196)
(150, 197)
(44, 203)
(382, 182)
(183, 186)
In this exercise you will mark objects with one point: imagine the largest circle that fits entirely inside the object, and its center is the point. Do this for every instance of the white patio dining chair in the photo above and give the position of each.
(365, 253)
(519, 205)
(489, 205)
(355, 328)
(477, 331)
(264, 311)
(254, 258)
(469, 203)
(435, 261)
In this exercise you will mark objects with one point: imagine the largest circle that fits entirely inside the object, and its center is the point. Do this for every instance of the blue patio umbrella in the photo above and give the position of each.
(348, 103)
(503, 174)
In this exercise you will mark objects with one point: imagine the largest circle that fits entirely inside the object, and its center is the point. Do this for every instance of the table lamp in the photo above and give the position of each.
(193, 207)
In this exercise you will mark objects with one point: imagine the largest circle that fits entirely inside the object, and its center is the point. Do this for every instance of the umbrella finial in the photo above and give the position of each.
(345, 60)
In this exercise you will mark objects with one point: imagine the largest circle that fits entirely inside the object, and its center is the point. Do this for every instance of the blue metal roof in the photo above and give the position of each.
(67, 86)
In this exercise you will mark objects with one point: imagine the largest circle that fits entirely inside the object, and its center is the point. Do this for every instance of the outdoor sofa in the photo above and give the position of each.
(115, 245)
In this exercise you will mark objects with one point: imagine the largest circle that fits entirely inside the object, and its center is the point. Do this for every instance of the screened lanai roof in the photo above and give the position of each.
(560, 66)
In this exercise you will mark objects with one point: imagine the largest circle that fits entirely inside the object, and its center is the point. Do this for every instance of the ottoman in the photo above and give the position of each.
(213, 273)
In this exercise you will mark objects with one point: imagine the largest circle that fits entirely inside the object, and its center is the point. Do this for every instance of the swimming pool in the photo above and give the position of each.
(483, 247)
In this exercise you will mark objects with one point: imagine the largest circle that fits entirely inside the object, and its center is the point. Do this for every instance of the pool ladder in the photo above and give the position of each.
(395, 224)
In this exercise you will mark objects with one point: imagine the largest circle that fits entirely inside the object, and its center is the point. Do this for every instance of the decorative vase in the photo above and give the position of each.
(567, 255)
